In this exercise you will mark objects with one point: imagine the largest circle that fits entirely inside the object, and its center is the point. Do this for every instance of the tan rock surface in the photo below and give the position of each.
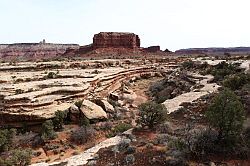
(92, 111)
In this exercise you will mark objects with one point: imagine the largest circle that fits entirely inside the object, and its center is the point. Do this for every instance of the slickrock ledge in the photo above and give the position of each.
(175, 103)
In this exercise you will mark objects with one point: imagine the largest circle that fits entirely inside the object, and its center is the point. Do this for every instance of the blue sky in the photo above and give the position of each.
(172, 24)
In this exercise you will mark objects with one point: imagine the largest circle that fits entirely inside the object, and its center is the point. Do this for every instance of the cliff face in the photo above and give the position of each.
(153, 49)
(104, 43)
(116, 40)
(219, 50)
(26, 51)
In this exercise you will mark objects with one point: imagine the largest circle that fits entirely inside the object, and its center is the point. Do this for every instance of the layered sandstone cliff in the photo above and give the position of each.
(26, 51)
(215, 50)
(116, 40)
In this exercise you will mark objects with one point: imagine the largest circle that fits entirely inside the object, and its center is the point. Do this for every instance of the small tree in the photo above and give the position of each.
(59, 119)
(84, 121)
(235, 82)
(226, 114)
(6, 139)
(19, 157)
(48, 132)
(151, 114)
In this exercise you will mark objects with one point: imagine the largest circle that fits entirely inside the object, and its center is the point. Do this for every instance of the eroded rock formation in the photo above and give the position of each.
(153, 49)
(116, 40)
(29, 95)
(27, 51)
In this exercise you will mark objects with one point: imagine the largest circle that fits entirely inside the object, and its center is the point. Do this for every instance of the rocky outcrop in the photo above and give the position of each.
(152, 49)
(116, 40)
(92, 111)
(31, 51)
(29, 95)
(176, 103)
(106, 106)
(231, 50)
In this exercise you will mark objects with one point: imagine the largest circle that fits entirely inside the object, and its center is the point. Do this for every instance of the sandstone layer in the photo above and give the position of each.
(29, 51)
(116, 40)
(33, 92)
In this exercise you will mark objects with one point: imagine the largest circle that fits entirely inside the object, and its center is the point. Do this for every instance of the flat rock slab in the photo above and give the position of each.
(175, 103)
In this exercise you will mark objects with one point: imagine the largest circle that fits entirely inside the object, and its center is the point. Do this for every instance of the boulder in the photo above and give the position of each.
(74, 113)
(106, 106)
(114, 96)
(92, 111)
(129, 96)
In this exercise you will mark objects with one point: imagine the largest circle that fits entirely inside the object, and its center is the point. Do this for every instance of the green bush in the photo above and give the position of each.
(151, 114)
(226, 114)
(84, 121)
(188, 64)
(202, 143)
(237, 81)
(17, 157)
(79, 103)
(223, 69)
(121, 127)
(6, 139)
(48, 132)
(58, 120)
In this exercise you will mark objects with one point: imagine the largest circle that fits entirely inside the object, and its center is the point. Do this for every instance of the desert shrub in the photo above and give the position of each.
(162, 139)
(79, 103)
(161, 98)
(202, 143)
(123, 145)
(19, 91)
(25, 139)
(226, 114)
(106, 126)
(130, 150)
(188, 64)
(222, 70)
(120, 128)
(175, 158)
(82, 135)
(51, 147)
(17, 157)
(178, 144)
(151, 114)
(84, 121)
(58, 120)
(237, 81)
(48, 132)
(6, 139)
(156, 87)
(130, 159)
(51, 75)
(246, 135)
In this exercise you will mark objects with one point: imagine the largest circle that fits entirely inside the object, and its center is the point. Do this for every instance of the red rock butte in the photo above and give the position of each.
(116, 40)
